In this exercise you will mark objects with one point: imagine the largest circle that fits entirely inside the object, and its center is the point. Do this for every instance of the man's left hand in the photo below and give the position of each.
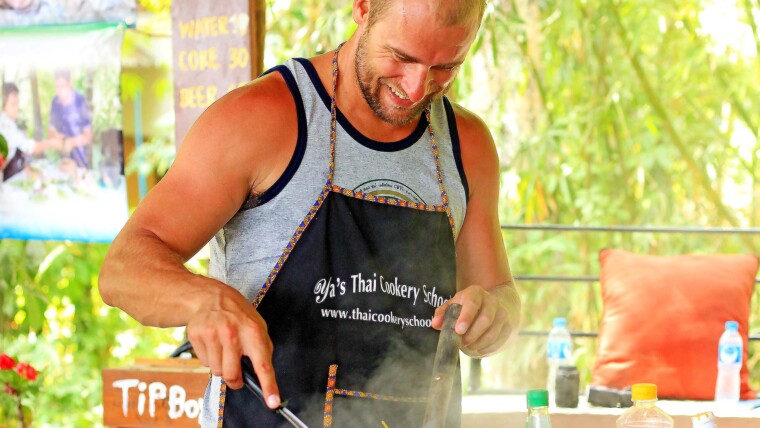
(485, 322)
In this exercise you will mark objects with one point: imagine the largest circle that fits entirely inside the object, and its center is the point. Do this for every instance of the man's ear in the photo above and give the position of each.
(361, 12)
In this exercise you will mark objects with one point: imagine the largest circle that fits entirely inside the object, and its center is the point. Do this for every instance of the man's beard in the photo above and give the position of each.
(370, 87)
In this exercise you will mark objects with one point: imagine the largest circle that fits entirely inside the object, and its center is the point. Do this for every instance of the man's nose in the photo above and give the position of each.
(417, 82)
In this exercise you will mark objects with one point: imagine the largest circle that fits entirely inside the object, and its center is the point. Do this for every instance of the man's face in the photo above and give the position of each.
(11, 106)
(407, 59)
(63, 90)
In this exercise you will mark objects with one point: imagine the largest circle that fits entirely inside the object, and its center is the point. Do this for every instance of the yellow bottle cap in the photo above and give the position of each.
(644, 391)
(704, 417)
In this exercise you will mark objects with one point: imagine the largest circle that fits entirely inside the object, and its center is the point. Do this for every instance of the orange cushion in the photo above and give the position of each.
(663, 317)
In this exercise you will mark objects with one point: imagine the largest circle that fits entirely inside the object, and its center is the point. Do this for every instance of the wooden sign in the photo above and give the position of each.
(218, 46)
(154, 393)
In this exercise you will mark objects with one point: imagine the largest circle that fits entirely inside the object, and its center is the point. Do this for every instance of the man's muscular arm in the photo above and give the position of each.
(242, 143)
(490, 303)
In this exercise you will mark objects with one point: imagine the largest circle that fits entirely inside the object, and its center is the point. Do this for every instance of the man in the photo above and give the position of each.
(335, 191)
(70, 120)
(19, 145)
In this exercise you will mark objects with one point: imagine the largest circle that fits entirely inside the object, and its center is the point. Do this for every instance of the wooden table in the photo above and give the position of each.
(499, 411)
(160, 393)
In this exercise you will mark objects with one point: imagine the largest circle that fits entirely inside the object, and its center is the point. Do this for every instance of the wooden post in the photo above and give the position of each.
(218, 46)
(258, 33)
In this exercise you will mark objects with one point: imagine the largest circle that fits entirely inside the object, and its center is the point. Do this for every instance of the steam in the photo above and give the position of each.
(406, 370)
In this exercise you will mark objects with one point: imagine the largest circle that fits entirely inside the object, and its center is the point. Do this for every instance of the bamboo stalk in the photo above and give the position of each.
(675, 138)
(755, 210)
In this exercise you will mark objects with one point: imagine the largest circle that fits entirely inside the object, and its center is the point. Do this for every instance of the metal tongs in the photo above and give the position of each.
(250, 383)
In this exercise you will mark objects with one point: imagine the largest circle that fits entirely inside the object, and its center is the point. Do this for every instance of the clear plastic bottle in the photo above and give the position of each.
(730, 351)
(538, 409)
(704, 420)
(644, 413)
(559, 349)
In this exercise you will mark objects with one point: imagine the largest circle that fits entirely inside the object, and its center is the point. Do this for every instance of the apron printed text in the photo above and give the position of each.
(357, 314)
(331, 288)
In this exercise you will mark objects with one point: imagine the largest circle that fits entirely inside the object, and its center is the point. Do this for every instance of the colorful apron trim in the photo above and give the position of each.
(332, 391)
(385, 200)
(330, 394)
(222, 396)
(330, 187)
(291, 244)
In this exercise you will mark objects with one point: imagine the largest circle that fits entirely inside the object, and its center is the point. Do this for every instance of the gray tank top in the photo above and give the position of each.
(246, 249)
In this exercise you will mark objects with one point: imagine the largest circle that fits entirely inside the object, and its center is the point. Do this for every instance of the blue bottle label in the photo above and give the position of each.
(557, 350)
(730, 354)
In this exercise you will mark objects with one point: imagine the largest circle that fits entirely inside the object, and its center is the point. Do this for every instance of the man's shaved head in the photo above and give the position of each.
(450, 12)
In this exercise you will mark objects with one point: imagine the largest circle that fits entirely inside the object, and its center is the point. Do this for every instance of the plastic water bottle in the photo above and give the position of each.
(558, 351)
(538, 409)
(704, 420)
(730, 351)
(644, 413)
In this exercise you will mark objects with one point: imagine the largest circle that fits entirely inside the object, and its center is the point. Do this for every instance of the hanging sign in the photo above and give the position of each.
(212, 54)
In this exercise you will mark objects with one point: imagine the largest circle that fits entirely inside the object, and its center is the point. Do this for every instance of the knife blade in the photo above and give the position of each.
(444, 370)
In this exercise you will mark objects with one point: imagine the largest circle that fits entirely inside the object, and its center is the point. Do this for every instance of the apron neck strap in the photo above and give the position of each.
(433, 143)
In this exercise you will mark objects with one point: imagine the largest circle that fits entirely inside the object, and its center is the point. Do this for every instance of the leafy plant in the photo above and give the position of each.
(604, 113)
(3, 147)
(19, 387)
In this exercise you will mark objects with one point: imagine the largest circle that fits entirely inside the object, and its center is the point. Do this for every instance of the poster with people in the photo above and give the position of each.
(14, 13)
(62, 166)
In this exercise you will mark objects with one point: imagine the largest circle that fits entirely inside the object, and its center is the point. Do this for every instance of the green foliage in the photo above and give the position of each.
(604, 113)
(18, 381)
(612, 113)
(305, 28)
(52, 316)
(3, 147)
(154, 157)
(143, 50)
(155, 6)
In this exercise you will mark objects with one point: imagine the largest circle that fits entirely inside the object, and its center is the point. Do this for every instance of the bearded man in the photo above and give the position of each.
(348, 203)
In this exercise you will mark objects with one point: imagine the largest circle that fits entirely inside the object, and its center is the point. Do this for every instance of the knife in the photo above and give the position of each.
(444, 370)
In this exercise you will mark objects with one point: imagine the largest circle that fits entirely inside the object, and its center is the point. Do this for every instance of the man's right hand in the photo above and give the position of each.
(225, 330)
(222, 161)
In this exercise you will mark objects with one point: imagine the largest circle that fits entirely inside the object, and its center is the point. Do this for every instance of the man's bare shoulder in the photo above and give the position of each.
(253, 129)
(479, 156)
(239, 146)
(472, 129)
(262, 105)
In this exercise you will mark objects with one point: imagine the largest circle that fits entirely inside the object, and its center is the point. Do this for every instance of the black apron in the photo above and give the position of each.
(349, 310)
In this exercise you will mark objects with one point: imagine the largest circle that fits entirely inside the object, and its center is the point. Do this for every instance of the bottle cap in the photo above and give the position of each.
(706, 419)
(644, 391)
(560, 322)
(538, 398)
(732, 326)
